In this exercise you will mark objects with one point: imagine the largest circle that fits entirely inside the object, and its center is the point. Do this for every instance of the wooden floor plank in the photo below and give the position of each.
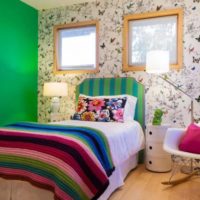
(142, 184)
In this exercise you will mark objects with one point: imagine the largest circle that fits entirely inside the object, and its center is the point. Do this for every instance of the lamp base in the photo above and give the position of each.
(55, 104)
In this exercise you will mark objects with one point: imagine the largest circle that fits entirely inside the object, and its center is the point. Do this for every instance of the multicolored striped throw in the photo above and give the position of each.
(73, 161)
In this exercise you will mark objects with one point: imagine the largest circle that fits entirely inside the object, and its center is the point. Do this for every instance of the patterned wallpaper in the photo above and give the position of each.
(159, 94)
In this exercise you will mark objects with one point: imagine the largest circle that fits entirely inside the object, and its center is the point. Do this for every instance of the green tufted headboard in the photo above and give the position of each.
(115, 86)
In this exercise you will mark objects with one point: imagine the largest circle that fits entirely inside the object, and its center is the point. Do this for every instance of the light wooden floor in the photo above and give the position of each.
(145, 185)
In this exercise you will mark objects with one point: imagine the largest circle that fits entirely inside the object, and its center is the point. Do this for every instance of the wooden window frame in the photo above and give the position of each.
(128, 18)
(56, 30)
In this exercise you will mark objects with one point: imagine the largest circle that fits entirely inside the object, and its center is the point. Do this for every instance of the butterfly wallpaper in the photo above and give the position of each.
(159, 94)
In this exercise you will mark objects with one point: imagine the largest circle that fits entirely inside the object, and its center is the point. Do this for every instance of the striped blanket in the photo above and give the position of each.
(73, 161)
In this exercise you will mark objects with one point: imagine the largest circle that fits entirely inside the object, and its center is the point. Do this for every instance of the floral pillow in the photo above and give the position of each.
(100, 109)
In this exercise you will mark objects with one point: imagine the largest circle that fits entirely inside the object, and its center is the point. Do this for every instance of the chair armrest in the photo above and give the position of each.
(172, 139)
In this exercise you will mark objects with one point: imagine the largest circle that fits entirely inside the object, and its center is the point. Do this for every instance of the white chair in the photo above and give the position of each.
(188, 163)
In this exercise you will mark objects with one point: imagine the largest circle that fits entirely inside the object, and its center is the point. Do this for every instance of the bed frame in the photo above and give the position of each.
(116, 86)
(20, 190)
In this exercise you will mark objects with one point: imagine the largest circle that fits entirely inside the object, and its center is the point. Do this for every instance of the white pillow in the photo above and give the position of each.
(129, 109)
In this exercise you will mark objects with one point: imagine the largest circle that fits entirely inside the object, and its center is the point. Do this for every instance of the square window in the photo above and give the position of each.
(76, 47)
(149, 32)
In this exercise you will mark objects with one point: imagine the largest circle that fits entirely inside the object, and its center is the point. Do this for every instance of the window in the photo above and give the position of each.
(152, 31)
(76, 47)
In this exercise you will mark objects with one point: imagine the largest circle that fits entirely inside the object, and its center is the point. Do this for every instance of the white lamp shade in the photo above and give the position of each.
(55, 89)
(157, 62)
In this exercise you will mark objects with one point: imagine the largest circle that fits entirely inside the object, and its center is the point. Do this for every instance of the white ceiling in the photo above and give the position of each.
(47, 4)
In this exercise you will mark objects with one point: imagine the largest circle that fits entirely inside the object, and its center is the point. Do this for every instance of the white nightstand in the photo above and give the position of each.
(156, 159)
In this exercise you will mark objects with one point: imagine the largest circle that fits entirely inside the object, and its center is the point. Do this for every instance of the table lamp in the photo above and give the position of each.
(55, 90)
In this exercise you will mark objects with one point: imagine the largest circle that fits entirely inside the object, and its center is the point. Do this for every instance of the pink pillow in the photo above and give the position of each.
(191, 140)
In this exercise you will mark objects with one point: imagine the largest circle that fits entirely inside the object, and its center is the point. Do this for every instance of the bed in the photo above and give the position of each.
(125, 141)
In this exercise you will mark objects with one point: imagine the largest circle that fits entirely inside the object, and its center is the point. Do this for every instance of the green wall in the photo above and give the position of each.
(18, 62)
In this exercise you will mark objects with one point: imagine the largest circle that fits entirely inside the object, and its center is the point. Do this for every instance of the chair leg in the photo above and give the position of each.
(177, 166)
(175, 169)
(181, 180)
(188, 169)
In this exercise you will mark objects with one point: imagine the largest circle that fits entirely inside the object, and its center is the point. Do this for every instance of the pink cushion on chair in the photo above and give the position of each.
(191, 140)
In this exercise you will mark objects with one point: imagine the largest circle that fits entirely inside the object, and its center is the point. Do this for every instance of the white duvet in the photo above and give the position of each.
(125, 139)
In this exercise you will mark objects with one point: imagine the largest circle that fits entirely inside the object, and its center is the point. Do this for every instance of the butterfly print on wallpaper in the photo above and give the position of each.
(198, 38)
(196, 60)
(110, 15)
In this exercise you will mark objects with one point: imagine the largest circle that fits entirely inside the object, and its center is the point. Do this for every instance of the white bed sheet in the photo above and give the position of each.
(125, 139)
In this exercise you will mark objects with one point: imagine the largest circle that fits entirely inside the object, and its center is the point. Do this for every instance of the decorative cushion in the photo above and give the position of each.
(129, 109)
(191, 139)
(100, 109)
